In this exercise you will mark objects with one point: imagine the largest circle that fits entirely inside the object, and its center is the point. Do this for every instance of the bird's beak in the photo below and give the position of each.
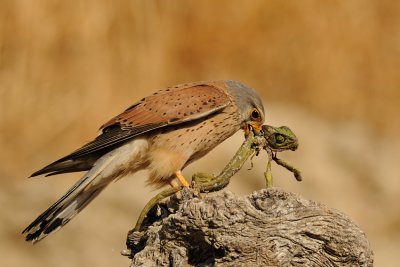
(257, 128)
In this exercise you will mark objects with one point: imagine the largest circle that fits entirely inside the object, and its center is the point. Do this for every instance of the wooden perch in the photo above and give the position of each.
(270, 227)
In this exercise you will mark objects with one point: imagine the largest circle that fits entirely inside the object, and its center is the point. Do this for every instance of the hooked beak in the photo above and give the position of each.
(257, 128)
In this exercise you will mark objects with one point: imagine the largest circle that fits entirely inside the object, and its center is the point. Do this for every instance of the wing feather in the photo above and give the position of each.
(171, 106)
(180, 103)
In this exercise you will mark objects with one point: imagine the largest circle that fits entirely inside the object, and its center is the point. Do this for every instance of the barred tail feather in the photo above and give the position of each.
(70, 204)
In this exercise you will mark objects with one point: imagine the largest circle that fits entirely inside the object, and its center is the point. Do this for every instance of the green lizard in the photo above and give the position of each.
(273, 140)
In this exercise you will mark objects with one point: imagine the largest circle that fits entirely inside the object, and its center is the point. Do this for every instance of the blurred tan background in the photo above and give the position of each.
(328, 69)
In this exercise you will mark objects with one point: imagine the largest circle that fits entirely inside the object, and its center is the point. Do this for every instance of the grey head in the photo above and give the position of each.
(250, 106)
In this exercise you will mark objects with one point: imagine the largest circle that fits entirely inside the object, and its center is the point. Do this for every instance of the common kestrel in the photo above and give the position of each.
(162, 133)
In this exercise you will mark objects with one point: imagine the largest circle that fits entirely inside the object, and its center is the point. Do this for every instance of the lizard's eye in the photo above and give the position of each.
(280, 139)
(255, 114)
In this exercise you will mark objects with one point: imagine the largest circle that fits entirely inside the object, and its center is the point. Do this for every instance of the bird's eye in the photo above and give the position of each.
(255, 114)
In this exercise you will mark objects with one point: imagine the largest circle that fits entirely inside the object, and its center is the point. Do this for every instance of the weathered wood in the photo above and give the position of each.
(270, 227)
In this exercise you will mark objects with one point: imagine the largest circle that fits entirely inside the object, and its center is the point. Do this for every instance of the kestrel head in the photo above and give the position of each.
(249, 104)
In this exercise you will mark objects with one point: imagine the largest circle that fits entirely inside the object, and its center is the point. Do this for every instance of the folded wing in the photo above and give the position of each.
(171, 106)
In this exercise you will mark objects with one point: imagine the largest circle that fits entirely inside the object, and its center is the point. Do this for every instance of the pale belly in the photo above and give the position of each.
(173, 148)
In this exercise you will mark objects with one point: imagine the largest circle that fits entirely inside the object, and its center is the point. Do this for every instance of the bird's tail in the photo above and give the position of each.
(71, 203)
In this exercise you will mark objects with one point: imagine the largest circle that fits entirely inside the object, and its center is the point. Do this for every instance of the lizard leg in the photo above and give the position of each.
(268, 175)
(296, 172)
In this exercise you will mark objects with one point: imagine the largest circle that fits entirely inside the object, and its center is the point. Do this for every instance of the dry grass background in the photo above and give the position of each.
(328, 69)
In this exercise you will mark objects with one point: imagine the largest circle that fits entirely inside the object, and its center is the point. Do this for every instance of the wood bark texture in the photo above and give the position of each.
(270, 227)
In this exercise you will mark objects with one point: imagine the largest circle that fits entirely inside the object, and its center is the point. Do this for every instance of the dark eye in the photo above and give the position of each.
(280, 139)
(255, 114)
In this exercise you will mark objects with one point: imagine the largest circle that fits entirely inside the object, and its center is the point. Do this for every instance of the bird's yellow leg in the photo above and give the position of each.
(181, 179)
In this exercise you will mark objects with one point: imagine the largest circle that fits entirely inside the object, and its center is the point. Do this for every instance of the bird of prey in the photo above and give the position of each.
(162, 133)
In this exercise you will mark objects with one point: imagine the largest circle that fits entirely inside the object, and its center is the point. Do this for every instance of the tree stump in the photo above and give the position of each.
(270, 227)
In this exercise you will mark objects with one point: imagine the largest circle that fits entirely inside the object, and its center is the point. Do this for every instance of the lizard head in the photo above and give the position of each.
(280, 138)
